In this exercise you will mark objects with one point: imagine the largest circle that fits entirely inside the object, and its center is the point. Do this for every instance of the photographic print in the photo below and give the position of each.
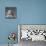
(10, 12)
(33, 32)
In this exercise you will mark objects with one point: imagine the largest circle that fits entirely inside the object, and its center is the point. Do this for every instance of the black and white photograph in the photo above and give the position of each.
(10, 12)
(31, 34)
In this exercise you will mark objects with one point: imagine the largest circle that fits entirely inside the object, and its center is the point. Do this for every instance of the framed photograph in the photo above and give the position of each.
(10, 12)
(32, 32)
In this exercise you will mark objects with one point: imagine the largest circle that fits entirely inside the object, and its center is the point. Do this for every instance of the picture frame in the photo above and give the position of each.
(38, 30)
(10, 12)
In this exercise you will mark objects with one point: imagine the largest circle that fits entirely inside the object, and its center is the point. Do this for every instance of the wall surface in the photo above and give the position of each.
(28, 12)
